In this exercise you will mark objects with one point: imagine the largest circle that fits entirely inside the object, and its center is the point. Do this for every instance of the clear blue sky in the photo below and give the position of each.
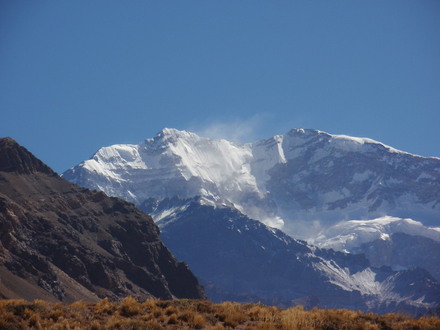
(79, 75)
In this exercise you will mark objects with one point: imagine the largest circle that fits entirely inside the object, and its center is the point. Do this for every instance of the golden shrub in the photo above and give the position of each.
(129, 307)
(170, 310)
(104, 306)
(193, 314)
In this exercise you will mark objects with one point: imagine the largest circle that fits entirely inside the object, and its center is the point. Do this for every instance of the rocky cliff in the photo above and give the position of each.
(62, 242)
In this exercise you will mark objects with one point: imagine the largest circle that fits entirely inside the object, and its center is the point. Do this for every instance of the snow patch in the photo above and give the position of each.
(363, 281)
(350, 234)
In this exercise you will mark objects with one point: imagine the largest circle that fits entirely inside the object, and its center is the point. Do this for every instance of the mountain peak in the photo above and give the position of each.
(303, 131)
(340, 140)
(171, 135)
(15, 158)
(172, 132)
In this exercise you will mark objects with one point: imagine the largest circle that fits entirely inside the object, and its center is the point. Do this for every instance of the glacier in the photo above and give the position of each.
(347, 235)
(303, 182)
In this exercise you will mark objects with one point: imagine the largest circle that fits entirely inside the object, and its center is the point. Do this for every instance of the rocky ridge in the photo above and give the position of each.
(65, 243)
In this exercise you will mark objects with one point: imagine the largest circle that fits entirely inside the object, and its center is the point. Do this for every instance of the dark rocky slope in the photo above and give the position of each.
(241, 259)
(62, 242)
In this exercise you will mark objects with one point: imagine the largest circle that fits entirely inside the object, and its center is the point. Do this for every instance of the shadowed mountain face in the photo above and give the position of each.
(241, 259)
(62, 242)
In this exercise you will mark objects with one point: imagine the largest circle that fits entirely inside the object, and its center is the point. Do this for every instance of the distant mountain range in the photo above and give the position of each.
(300, 182)
(61, 242)
(307, 183)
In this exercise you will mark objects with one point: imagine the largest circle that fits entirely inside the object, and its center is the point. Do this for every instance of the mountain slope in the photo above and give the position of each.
(347, 235)
(243, 260)
(300, 182)
(387, 241)
(403, 251)
(62, 242)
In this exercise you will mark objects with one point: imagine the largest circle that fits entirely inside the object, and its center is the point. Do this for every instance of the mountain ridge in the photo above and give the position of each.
(287, 181)
(62, 242)
(16, 158)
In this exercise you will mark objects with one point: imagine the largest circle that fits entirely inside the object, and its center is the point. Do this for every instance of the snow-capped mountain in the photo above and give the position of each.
(241, 259)
(387, 241)
(301, 182)
(308, 183)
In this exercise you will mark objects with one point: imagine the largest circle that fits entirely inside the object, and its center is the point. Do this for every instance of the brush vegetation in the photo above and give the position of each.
(192, 314)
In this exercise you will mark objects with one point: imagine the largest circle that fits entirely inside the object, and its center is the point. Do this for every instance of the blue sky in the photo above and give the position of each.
(79, 75)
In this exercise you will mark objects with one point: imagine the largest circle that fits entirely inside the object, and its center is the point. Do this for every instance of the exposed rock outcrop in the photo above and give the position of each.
(62, 242)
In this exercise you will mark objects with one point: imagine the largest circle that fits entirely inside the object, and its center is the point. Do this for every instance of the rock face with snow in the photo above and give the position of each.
(241, 259)
(348, 235)
(403, 251)
(300, 182)
(387, 241)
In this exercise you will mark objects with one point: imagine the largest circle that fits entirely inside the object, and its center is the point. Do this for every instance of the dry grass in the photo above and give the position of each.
(192, 314)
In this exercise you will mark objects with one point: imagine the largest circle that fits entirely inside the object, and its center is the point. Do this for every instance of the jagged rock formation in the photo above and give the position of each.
(62, 242)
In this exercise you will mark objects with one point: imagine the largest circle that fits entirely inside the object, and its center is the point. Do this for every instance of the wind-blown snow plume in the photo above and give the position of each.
(232, 129)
